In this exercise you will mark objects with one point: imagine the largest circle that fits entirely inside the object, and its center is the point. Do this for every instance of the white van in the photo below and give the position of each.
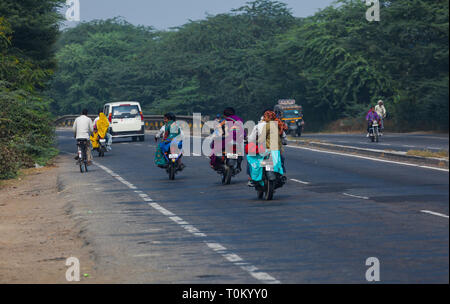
(125, 119)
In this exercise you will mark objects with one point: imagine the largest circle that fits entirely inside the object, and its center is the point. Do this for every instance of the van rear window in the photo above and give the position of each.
(125, 111)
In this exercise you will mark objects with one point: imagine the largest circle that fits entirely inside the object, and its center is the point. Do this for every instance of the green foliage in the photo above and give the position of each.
(334, 63)
(28, 30)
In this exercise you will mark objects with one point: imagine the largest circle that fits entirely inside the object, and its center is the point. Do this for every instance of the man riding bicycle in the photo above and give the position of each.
(82, 128)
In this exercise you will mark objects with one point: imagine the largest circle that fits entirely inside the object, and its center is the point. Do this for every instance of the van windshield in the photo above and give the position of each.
(125, 111)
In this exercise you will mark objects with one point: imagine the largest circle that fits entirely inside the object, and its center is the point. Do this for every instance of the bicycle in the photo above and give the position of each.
(82, 145)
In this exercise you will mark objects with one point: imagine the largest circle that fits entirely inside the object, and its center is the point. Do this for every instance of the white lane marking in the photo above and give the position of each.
(434, 213)
(229, 256)
(299, 181)
(238, 261)
(161, 209)
(178, 220)
(369, 158)
(357, 196)
(196, 154)
(216, 246)
(193, 230)
(233, 257)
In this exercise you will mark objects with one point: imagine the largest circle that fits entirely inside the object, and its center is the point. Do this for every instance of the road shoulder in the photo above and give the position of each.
(37, 233)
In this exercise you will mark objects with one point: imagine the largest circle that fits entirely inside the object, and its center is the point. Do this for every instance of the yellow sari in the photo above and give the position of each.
(102, 128)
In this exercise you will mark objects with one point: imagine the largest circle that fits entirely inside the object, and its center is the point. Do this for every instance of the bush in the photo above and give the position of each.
(26, 131)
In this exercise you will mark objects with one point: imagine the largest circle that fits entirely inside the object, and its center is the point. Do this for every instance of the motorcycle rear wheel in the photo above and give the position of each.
(269, 190)
(171, 171)
(226, 178)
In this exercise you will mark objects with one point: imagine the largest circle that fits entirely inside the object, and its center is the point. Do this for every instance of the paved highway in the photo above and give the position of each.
(334, 213)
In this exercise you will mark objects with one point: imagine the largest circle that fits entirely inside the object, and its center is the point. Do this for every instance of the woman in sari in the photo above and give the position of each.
(100, 130)
(170, 132)
(261, 143)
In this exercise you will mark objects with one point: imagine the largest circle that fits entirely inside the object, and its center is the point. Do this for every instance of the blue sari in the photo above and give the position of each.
(256, 170)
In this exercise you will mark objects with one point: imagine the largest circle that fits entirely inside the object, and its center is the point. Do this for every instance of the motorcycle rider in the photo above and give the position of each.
(381, 111)
(101, 127)
(370, 117)
(261, 135)
(230, 128)
(82, 128)
(168, 133)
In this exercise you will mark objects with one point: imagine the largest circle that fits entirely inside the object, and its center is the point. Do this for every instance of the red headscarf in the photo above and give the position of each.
(271, 116)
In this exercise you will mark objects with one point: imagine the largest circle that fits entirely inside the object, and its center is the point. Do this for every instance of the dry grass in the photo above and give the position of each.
(428, 153)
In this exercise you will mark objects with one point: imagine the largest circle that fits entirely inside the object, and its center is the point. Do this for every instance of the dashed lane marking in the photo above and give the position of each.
(229, 256)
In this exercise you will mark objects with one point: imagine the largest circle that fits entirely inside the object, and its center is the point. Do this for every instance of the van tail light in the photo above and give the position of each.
(110, 117)
(142, 116)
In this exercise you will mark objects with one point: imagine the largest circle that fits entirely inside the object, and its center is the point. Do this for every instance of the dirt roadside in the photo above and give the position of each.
(37, 234)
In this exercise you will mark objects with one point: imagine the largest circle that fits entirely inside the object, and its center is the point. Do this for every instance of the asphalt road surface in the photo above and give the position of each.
(389, 141)
(334, 213)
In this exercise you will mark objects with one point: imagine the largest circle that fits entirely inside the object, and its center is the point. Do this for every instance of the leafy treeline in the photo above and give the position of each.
(28, 31)
(334, 63)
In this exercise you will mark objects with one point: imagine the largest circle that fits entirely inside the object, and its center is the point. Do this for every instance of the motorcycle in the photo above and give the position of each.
(173, 165)
(295, 128)
(102, 147)
(374, 131)
(228, 167)
(271, 180)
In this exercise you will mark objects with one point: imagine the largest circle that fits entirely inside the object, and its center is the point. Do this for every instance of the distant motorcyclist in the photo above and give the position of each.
(82, 128)
(381, 111)
(370, 117)
(171, 132)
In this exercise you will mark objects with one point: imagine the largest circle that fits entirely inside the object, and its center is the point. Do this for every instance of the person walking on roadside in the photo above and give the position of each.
(83, 128)
(381, 111)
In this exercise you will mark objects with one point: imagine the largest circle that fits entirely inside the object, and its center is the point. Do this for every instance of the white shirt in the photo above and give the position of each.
(381, 111)
(95, 120)
(258, 130)
(82, 127)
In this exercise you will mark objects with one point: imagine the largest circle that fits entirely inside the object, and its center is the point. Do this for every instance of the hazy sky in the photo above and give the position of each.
(163, 14)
